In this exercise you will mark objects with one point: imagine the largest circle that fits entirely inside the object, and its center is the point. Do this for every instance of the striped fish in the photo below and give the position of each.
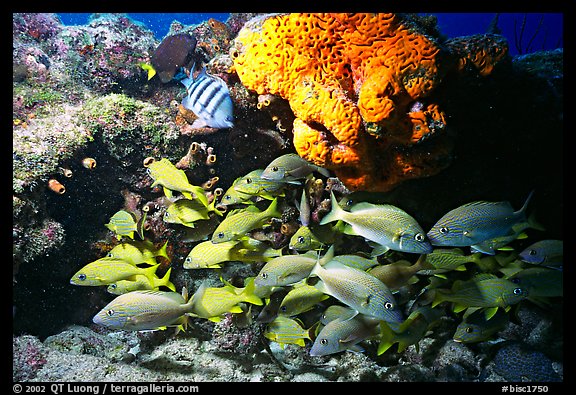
(208, 97)
(124, 223)
(476, 222)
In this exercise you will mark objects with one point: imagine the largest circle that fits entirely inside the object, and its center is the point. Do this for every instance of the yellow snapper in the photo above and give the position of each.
(358, 290)
(106, 270)
(185, 212)
(396, 275)
(291, 168)
(336, 311)
(252, 184)
(286, 330)
(290, 269)
(146, 310)
(232, 196)
(207, 255)
(135, 252)
(239, 222)
(124, 223)
(313, 237)
(388, 226)
(140, 283)
(483, 290)
(475, 222)
(476, 327)
(344, 335)
(410, 331)
(213, 302)
(164, 173)
(301, 298)
(445, 260)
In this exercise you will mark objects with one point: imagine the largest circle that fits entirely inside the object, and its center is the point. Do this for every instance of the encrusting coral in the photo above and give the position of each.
(358, 85)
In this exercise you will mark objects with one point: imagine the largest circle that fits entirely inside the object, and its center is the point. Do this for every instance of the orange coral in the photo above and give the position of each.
(355, 83)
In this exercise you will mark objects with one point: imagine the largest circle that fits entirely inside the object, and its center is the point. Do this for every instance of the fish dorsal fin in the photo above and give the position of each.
(483, 277)
(452, 251)
(482, 203)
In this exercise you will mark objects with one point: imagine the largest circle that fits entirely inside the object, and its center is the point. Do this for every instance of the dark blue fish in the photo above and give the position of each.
(208, 97)
(173, 53)
(475, 222)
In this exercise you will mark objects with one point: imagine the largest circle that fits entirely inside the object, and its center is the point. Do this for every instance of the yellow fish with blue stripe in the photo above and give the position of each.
(186, 212)
(125, 223)
(140, 283)
(213, 302)
(146, 310)
(239, 222)
(301, 298)
(106, 270)
(164, 173)
(207, 255)
(135, 252)
(253, 184)
(286, 330)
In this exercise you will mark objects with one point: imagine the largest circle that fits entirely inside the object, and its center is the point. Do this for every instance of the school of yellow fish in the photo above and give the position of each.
(359, 273)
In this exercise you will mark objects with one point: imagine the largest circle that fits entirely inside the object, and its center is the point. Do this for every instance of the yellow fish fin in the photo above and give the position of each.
(235, 309)
(490, 312)
(149, 68)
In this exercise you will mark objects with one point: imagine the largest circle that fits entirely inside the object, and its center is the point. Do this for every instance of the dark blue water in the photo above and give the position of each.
(525, 32)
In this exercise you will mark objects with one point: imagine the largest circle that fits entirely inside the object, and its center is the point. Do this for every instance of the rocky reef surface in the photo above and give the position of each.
(79, 92)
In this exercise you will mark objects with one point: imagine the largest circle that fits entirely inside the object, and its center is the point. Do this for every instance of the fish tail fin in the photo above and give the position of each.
(525, 206)
(165, 281)
(438, 297)
(198, 295)
(272, 210)
(150, 273)
(335, 213)
(534, 224)
(327, 256)
(386, 338)
(162, 251)
(248, 294)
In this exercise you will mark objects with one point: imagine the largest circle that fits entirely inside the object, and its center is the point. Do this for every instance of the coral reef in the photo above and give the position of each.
(360, 87)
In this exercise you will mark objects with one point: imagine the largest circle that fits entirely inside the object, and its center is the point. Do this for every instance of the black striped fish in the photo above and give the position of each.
(208, 97)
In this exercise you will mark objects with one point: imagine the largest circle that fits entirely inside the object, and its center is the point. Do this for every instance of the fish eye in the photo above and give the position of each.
(110, 255)
(188, 259)
(113, 286)
(275, 168)
(324, 341)
(220, 235)
(349, 202)
(444, 230)
(82, 277)
(110, 313)
(419, 237)
(264, 275)
(248, 181)
(283, 309)
(533, 252)
(518, 291)
(388, 305)
(148, 171)
(469, 329)
(301, 239)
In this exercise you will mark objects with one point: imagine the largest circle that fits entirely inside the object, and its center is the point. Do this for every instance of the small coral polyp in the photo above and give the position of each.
(350, 80)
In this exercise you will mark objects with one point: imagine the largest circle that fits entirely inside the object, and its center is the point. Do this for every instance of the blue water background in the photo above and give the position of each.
(526, 32)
